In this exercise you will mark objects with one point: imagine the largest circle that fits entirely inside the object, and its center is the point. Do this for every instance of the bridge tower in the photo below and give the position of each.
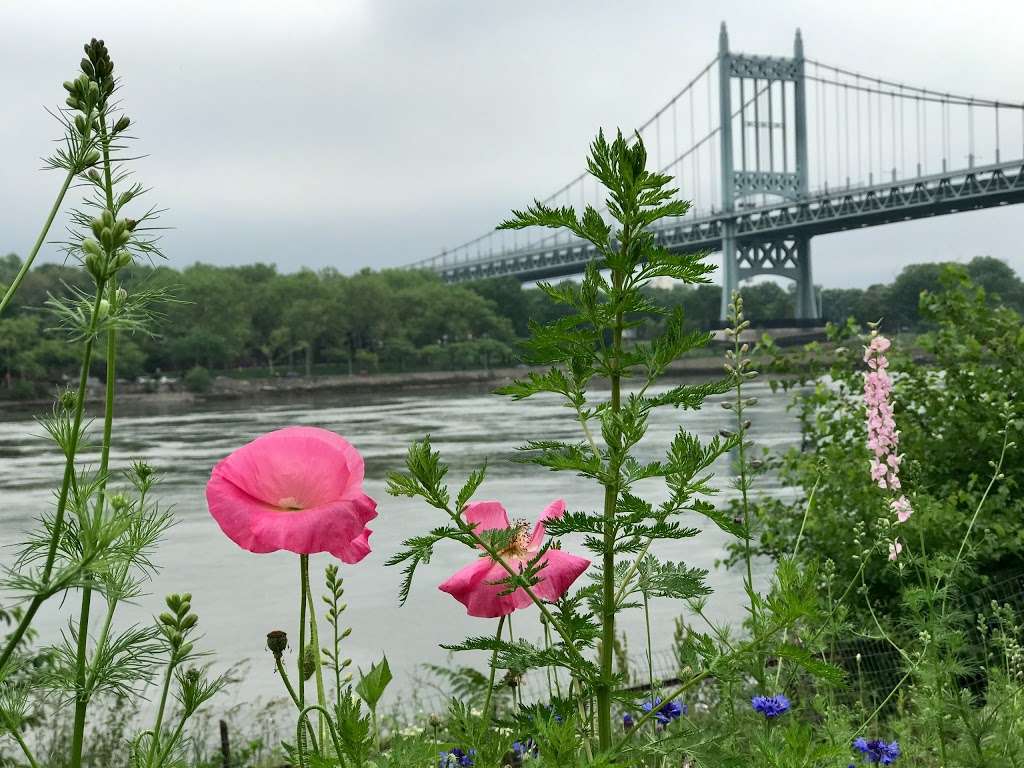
(763, 142)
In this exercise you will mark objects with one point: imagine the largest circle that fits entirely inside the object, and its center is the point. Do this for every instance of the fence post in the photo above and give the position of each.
(225, 744)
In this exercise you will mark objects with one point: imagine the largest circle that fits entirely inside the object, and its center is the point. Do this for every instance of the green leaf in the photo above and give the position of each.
(371, 685)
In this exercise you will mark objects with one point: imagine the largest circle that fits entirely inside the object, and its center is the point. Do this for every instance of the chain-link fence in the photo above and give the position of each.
(873, 667)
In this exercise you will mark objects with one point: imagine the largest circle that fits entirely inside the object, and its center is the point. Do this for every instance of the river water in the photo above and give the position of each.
(241, 596)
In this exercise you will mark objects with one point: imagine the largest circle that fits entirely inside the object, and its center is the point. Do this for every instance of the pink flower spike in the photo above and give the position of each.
(297, 489)
(479, 586)
(895, 547)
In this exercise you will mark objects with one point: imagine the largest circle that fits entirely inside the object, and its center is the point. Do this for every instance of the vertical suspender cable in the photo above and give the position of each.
(785, 138)
(817, 130)
(696, 155)
(743, 125)
(846, 114)
(903, 137)
(715, 195)
(892, 116)
(924, 134)
(917, 130)
(856, 94)
(970, 133)
(757, 127)
(871, 140)
(881, 141)
(997, 131)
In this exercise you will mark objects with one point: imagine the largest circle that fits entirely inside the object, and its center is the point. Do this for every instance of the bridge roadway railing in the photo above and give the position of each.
(823, 212)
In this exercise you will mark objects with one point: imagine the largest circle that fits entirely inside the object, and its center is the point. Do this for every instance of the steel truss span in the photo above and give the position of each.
(824, 213)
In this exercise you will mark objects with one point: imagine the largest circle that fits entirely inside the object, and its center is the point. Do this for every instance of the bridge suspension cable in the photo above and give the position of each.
(702, 193)
(874, 118)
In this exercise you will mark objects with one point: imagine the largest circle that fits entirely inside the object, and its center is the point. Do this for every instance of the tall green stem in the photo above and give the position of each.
(303, 590)
(9, 293)
(603, 688)
(490, 680)
(292, 695)
(158, 723)
(82, 693)
(62, 500)
(650, 655)
(314, 640)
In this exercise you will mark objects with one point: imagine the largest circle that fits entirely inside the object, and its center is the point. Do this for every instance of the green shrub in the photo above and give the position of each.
(198, 379)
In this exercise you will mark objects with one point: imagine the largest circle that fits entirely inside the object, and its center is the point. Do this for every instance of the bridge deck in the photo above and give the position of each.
(822, 213)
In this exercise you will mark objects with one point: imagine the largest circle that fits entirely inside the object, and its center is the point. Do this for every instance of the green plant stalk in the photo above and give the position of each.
(303, 587)
(796, 549)
(974, 518)
(9, 293)
(741, 430)
(611, 494)
(490, 680)
(337, 660)
(325, 716)
(160, 710)
(166, 751)
(650, 657)
(24, 747)
(291, 692)
(62, 499)
(314, 639)
(82, 694)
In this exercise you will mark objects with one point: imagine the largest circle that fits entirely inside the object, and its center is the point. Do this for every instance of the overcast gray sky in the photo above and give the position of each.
(355, 133)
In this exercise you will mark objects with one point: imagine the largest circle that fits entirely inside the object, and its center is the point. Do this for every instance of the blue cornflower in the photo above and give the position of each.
(627, 720)
(770, 706)
(457, 758)
(525, 749)
(664, 713)
(877, 750)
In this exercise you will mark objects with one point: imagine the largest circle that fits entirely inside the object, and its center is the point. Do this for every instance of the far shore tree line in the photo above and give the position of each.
(254, 321)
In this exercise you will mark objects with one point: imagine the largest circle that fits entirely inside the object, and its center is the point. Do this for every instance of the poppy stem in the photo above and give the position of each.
(490, 680)
(314, 640)
(303, 588)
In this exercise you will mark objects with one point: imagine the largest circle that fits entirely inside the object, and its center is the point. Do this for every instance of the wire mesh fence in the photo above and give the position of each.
(872, 665)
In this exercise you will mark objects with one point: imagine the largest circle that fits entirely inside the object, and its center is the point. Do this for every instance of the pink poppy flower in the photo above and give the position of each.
(479, 586)
(298, 489)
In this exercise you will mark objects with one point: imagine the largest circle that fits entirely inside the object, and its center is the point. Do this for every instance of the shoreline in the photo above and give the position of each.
(226, 389)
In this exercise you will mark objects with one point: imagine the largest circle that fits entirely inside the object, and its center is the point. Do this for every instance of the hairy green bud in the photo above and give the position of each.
(88, 68)
(96, 265)
(122, 124)
(308, 662)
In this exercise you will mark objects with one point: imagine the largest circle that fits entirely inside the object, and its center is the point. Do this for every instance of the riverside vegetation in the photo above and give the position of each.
(251, 321)
(909, 511)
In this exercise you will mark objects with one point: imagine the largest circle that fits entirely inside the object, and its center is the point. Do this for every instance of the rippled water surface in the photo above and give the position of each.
(241, 596)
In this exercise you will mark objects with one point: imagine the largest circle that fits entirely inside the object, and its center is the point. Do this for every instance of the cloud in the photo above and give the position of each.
(357, 133)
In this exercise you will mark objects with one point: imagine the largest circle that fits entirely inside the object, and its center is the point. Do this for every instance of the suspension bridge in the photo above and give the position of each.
(772, 151)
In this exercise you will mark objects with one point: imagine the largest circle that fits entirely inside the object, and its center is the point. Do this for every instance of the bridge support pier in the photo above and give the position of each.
(788, 257)
(806, 301)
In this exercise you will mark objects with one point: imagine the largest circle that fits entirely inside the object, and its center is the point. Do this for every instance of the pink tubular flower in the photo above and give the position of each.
(479, 586)
(299, 489)
(901, 507)
(895, 547)
(883, 437)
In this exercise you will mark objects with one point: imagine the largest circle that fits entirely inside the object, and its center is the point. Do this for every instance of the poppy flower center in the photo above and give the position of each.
(520, 543)
(289, 503)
